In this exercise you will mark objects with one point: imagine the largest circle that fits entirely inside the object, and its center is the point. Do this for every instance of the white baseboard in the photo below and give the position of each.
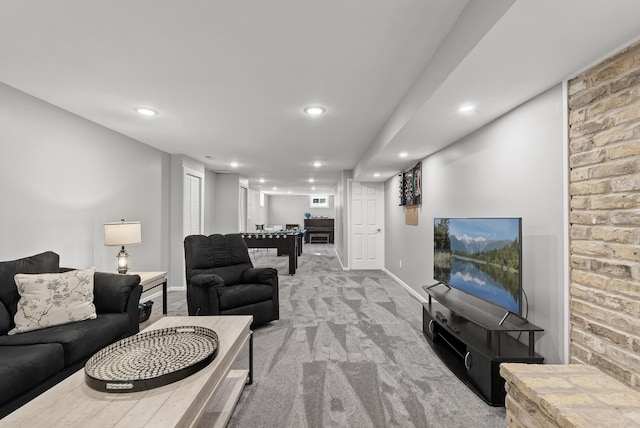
(340, 260)
(151, 296)
(411, 291)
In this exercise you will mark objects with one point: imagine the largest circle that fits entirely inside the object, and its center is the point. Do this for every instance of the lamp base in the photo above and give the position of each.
(123, 265)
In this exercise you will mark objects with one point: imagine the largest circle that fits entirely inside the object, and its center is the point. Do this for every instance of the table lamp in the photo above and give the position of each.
(122, 233)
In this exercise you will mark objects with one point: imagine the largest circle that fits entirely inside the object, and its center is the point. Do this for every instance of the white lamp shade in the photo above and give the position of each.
(122, 233)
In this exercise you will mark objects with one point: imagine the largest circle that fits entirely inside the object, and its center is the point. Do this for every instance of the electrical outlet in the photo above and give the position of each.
(400, 264)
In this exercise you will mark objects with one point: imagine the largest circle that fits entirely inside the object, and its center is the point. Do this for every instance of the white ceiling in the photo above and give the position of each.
(230, 78)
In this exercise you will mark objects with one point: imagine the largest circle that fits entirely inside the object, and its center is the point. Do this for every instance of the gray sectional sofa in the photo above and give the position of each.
(33, 361)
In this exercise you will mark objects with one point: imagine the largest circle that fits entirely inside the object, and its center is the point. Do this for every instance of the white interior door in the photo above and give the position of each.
(367, 221)
(192, 214)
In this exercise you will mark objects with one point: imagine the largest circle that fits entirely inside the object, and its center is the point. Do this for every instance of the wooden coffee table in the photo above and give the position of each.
(216, 389)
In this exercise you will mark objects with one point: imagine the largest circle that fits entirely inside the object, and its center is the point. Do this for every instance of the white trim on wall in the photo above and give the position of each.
(406, 286)
(567, 212)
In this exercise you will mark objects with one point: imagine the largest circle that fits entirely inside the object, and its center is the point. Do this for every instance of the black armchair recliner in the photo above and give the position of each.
(221, 279)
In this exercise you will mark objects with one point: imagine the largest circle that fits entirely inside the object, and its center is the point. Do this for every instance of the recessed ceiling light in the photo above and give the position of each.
(317, 164)
(289, 191)
(313, 187)
(466, 108)
(403, 154)
(311, 180)
(234, 164)
(377, 174)
(275, 188)
(261, 180)
(146, 111)
(314, 110)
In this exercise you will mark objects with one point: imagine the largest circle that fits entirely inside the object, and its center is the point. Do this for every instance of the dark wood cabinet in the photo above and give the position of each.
(319, 227)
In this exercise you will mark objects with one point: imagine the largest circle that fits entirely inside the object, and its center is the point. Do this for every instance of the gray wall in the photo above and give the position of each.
(210, 183)
(227, 204)
(62, 177)
(513, 167)
(285, 209)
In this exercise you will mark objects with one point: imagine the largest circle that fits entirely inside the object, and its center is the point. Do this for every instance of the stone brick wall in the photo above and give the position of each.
(604, 148)
(573, 396)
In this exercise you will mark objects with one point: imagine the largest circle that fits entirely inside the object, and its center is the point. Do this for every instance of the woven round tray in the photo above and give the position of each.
(151, 359)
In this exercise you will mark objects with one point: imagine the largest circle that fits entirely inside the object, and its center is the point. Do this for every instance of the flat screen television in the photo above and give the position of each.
(482, 257)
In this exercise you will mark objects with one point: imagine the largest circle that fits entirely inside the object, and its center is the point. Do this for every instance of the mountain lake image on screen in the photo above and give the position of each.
(482, 257)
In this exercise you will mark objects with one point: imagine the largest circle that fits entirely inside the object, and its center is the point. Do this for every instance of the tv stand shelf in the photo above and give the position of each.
(471, 341)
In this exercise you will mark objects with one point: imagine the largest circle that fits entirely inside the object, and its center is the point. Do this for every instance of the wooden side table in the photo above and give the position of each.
(150, 280)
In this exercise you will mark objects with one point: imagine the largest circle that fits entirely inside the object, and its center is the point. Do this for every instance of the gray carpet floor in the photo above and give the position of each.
(348, 351)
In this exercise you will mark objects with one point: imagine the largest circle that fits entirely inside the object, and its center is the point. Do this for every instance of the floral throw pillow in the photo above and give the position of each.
(50, 299)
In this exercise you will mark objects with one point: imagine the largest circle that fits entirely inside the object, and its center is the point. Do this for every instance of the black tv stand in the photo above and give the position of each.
(470, 337)
(436, 284)
(504, 318)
